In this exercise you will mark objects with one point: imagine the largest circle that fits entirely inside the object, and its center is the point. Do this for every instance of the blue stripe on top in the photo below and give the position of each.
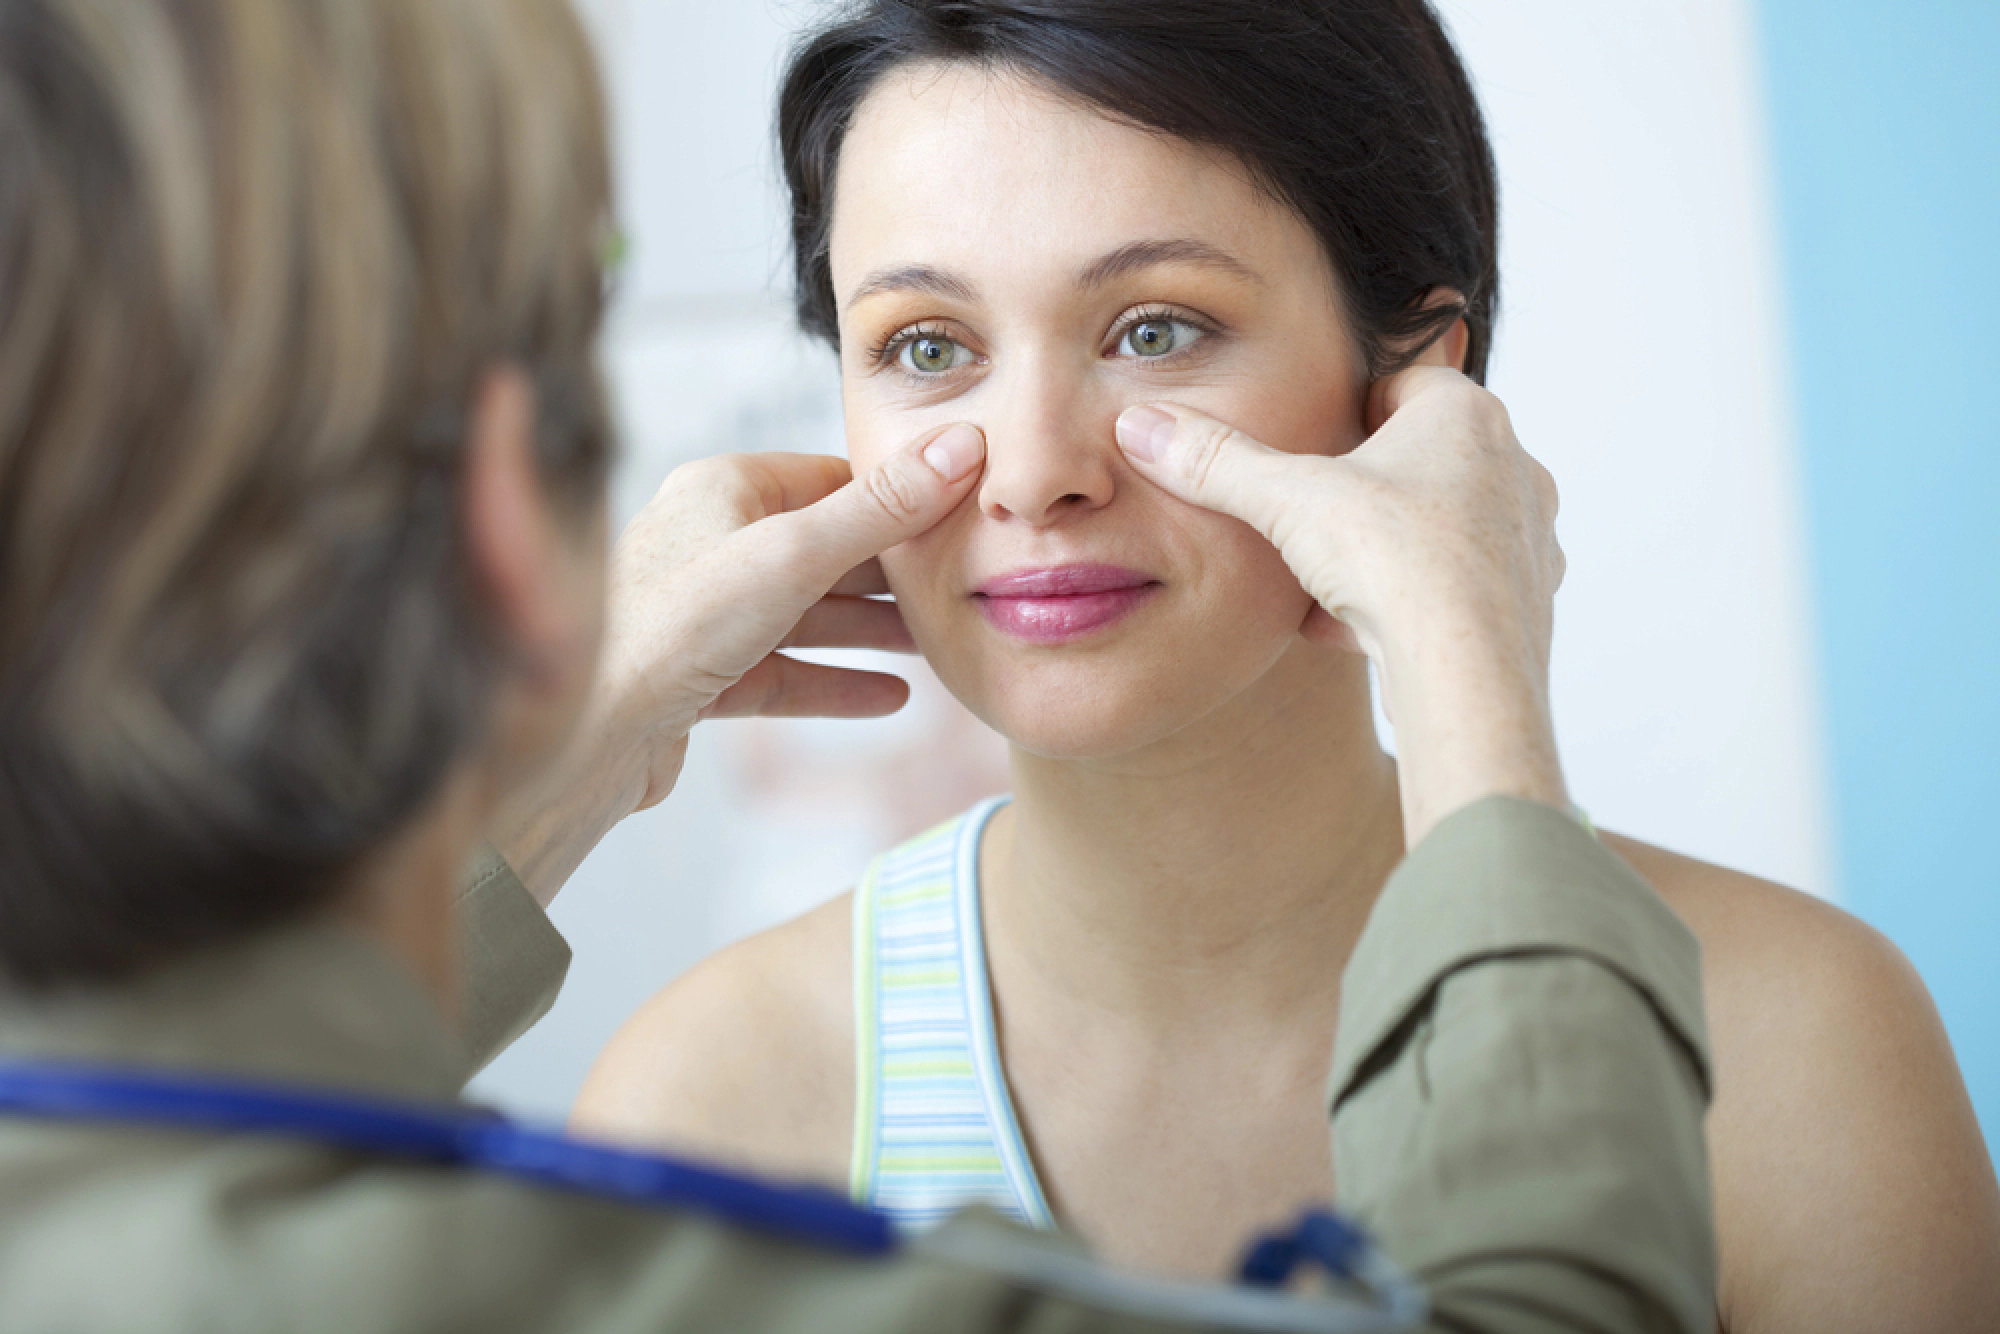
(934, 1125)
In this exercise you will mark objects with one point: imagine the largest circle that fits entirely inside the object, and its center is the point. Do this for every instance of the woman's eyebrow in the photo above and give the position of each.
(1145, 254)
(1125, 259)
(914, 278)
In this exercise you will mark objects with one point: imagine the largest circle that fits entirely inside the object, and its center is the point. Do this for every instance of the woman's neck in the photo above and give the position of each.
(1221, 874)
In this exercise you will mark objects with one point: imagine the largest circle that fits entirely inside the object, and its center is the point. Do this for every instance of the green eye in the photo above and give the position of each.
(931, 356)
(1156, 338)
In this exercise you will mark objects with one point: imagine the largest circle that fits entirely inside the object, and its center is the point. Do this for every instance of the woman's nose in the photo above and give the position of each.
(1050, 453)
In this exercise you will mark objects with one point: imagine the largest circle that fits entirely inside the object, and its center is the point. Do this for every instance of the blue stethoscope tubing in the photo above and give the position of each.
(456, 1137)
(470, 1138)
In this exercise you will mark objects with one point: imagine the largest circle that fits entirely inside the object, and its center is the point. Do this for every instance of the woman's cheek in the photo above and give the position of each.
(870, 428)
(915, 572)
(900, 568)
(1255, 602)
(863, 453)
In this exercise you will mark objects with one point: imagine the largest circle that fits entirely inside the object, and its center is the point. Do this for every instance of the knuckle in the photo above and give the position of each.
(708, 487)
(1206, 444)
(895, 492)
(1457, 394)
(1487, 415)
(704, 472)
(1546, 489)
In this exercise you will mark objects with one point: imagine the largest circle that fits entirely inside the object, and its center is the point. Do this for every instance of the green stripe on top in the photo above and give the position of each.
(934, 1126)
(920, 894)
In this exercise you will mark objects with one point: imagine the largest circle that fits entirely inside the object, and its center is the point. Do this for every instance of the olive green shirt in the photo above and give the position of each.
(1516, 1100)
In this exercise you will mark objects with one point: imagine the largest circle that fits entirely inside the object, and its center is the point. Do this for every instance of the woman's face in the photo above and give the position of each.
(1005, 257)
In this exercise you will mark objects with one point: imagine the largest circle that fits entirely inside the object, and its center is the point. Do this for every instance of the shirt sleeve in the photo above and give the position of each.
(1519, 1080)
(513, 958)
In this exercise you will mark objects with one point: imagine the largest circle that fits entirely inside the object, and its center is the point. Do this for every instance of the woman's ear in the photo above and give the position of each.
(1448, 348)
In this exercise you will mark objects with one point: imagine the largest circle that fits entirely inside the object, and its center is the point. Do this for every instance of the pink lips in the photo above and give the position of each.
(1066, 602)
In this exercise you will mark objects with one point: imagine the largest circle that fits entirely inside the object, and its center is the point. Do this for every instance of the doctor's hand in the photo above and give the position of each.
(1431, 548)
(736, 558)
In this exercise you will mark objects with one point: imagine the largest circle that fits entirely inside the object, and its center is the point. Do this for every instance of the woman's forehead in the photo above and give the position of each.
(976, 170)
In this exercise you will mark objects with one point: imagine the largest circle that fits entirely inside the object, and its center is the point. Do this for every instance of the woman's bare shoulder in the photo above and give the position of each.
(1781, 965)
(747, 1059)
(1853, 1188)
(1742, 918)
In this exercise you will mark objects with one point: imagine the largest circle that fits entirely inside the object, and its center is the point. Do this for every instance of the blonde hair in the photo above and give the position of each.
(254, 256)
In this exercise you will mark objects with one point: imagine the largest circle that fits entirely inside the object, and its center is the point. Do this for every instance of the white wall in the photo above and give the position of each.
(1639, 352)
(1641, 355)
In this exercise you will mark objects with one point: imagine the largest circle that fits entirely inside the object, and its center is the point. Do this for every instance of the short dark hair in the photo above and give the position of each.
(1355, 113)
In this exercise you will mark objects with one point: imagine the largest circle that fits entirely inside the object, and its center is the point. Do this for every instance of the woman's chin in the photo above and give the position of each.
(1076, 744)
(1085, 726)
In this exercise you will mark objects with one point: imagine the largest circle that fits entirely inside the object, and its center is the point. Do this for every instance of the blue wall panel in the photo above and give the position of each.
(1886, 123)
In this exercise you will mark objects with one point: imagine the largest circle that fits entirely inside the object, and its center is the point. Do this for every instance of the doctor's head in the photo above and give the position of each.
(1032, 214)
(299, 427)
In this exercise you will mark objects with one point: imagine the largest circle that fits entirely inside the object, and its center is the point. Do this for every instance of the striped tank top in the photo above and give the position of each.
(934, 1125)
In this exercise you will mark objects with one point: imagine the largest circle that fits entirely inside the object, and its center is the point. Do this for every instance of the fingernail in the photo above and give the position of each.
(956, 452)
(1145, 433)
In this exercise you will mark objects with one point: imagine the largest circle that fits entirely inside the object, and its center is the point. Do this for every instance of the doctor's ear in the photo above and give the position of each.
(541, 585)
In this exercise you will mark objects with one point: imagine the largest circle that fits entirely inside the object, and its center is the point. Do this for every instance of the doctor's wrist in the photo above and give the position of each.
(1470, 726)
(546, 828)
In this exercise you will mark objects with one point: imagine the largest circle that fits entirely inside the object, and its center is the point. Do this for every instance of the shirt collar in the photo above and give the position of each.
(317, 1005)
